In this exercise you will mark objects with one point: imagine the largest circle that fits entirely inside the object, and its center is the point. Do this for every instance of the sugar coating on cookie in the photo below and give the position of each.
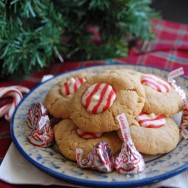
(130, 98)
(68, 140)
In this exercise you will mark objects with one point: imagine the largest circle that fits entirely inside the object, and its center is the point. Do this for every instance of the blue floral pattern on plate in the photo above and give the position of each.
(52, 162)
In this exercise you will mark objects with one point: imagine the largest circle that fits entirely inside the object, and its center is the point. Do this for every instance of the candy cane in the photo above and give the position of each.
(22, 89)
(16, 93)
(4, 109)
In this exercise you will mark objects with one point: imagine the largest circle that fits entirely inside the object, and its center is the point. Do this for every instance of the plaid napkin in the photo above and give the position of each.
(169, 50)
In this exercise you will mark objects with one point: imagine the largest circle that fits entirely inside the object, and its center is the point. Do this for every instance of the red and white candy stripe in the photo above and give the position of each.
(69, 87)
(16, 93)
(98, 98)
(155, 82)
(85, 134)
(151, 120)
(129, 160)
(184, 123)
(43, 137)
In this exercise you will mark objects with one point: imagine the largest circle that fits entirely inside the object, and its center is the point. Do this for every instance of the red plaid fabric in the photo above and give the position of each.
(169, 50)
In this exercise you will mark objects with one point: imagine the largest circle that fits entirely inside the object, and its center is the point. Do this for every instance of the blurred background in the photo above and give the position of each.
(172, 10)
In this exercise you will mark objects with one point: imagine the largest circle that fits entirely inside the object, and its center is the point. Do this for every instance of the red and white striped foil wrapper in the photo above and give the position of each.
(129, 161)
(43, 137)
(100, 158)
(184, 123)
(37, 116)
(181, 92)
(41, 133)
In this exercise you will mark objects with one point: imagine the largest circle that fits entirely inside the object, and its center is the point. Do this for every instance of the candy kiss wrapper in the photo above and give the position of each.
(129, 161)
(184, 124)
(43, 137)
(100, 158)
(41, 133)
(37, 116)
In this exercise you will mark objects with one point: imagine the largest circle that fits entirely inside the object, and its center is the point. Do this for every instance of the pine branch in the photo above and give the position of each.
(35, 33)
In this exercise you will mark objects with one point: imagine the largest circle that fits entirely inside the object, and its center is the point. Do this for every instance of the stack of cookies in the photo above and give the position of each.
(88, 105)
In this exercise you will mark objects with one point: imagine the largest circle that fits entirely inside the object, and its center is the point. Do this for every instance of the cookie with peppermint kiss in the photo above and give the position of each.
(58, 100)
(161, 98)
(154, 134)
(69, 138)
(103, 97)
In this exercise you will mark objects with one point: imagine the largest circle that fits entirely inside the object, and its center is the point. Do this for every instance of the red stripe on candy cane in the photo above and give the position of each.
(4, 109)
(17, 96)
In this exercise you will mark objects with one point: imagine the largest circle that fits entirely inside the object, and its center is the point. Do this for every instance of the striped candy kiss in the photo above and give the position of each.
(184, 123)
(69, 87)
(98, 98)
(84, 134)
(155, 82)
(151, 120)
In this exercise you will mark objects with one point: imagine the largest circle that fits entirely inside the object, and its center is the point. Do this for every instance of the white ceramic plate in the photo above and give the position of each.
(49, 160)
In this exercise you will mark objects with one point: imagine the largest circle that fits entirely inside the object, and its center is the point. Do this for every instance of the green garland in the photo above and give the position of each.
(34, 33)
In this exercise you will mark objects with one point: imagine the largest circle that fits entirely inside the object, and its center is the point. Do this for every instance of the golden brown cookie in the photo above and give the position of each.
(166, 103)
(58, 99)
(161, 98)
(129, 99)
(68, 140)
(153, 141)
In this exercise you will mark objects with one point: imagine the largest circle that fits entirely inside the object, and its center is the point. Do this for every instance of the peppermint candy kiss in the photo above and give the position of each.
(85, 134)
(151, 120)
(42, 137)
(155, 82)
(71, 86)
(100, 158)
(98, 98)
(41, 133)
(129, 160)
(37, 116)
